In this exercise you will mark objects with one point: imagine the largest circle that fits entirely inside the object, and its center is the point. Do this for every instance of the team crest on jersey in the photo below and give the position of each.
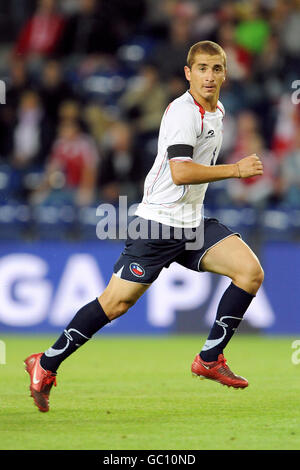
(137, 270)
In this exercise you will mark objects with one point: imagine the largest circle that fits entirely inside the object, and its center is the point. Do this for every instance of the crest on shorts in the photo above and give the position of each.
(137, 270)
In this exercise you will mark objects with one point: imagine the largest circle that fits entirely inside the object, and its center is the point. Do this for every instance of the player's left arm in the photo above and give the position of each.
(189, 172)
(182, 128)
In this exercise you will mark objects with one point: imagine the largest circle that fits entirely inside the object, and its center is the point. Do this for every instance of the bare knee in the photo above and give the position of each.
(121, 307)
(250, 277)
(257, 277)
(119, 296)
(113, 307)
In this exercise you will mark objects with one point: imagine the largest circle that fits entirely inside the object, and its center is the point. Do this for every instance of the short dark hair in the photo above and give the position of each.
(206, 47)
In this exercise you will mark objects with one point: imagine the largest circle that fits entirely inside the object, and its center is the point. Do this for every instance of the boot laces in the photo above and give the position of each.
(50, 379)
(224, 368)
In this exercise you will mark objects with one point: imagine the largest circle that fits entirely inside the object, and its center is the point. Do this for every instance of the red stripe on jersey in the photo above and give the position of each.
(201, 111)
(168, 108)
(220, 110)
(152, 184)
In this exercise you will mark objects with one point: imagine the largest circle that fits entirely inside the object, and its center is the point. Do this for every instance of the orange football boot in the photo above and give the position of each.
(218, 371)
(41, 381)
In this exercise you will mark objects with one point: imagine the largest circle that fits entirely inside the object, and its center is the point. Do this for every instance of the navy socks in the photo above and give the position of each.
(231, 309)
(87, 321)
(91, 318)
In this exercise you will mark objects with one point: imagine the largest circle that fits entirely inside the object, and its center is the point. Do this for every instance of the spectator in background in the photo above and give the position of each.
(239, 60)
(129, 15)
(120, 171)
(251, 35)
(227, 12)
(71, 172)
(252, 30)
(268, 73)
(145, 101)
(91, 30)
(42, 32)
(143, 106)
(26, 142)
(71, 110)
(15, 14)
(247, 126)
(287, 124)
(157, 18)
(279, 14)
(269, 66)
(257, 192)
(17, 83)
(98, 120)
(175, 86)
(290, 175)
(170, 55)
(33, 133)
(289, 39)
(205, 22)
(53, 88)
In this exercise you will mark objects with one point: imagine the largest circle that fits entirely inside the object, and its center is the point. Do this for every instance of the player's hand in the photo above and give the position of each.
(250, 166)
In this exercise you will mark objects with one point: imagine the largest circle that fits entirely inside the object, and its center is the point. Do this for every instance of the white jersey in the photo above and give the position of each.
(185, 124)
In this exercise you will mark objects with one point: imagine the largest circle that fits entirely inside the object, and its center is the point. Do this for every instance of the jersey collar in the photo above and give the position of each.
(201, 109)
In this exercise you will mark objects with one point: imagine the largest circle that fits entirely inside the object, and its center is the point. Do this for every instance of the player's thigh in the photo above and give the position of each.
(120, 295)
(232, 257)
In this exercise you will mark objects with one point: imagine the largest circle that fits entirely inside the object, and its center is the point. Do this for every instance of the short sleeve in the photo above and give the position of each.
(181, 125)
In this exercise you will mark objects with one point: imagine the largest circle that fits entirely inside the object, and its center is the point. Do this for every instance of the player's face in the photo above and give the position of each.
(206, 76)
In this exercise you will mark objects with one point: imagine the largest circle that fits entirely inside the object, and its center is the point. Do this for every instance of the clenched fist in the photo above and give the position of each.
(250, 166)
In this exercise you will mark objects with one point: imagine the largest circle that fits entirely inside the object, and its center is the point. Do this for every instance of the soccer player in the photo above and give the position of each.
(189, 141)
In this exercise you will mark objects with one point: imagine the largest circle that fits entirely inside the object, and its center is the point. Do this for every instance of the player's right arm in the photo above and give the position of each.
(189, 172)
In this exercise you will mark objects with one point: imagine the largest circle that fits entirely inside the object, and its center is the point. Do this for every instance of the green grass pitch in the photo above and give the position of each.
(138, 393)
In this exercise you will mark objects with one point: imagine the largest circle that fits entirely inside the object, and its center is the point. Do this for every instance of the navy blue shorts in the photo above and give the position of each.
(143, 259)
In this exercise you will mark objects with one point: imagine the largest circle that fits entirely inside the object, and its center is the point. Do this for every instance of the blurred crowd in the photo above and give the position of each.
(87, 82)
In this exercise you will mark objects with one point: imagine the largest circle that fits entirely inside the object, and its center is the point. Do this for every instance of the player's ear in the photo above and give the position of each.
(187, 72)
